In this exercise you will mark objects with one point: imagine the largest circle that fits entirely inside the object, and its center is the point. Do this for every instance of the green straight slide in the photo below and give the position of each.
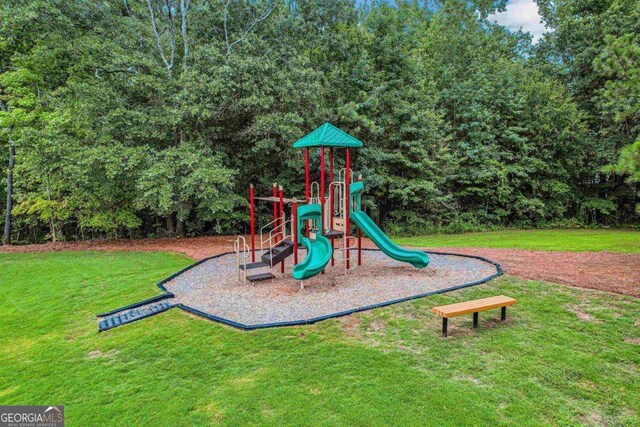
(418, 259)
(318, 251)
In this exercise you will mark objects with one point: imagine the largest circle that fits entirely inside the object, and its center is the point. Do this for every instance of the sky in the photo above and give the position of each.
(521, 14)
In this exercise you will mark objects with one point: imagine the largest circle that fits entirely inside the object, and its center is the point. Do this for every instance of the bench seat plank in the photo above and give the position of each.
(453, 310)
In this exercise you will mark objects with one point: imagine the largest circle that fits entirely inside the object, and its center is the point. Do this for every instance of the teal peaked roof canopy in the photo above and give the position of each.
(328, 135)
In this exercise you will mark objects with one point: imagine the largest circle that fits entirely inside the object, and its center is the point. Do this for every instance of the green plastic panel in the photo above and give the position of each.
(328, 135)
(318, 251)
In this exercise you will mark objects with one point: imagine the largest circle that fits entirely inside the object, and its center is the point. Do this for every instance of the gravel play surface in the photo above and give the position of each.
(213, 287)
(604, 271)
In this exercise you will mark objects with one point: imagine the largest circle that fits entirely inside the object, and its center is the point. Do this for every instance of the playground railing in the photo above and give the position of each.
(337, 189)
(341, 175)
(242, 251)
(314, 224)
(271, 235)
(277, 233)
(314, 197)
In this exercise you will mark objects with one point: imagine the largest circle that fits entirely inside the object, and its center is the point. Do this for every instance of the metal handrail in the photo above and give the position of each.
(241, 255)
(315, 185)
(279, 230)
(338, 189)
(327, 217)
(272, 225)
(314, 199)
(341, 175)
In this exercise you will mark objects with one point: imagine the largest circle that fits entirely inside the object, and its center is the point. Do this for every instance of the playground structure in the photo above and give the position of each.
(321, 223)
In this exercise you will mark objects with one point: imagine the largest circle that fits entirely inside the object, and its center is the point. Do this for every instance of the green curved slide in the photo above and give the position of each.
(418, 259)
(318, 251)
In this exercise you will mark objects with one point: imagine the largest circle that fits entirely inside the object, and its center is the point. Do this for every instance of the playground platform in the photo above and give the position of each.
(211, 288)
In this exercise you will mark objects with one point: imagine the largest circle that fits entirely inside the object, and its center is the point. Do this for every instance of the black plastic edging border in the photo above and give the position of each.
(157, 298)
(160, 284)
(242, 326)
(140, 318)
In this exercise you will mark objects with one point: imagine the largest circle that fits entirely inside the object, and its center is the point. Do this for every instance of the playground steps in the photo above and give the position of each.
(278, 253)
(333, 233)
(260, 276)
(254, 265)
(258, 272)
(128, 315)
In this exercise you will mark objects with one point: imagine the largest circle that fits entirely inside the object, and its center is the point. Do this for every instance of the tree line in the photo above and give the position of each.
(131, 118)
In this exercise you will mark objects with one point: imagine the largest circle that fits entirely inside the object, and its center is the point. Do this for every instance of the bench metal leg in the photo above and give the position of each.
(475, 320)
(503, 313)
(444, 326)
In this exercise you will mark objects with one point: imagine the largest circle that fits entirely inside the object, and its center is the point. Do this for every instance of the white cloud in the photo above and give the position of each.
(521, 14)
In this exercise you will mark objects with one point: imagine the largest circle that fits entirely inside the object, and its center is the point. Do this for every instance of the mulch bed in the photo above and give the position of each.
(213, 288)
(605, 271)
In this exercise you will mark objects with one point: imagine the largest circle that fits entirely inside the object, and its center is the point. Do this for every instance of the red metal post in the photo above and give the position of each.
(331, 201)
(294, 229)
(331, 182)
(359, 230)
(281, 222)
(281, 210)
(252, 217)
(275, 194)
(307, 184)
(347, 197)
(322, 190)
(275, 207)
(359, 247)
(307, 179)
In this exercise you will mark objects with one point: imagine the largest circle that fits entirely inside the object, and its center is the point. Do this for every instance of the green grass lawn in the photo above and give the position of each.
(564, 357)
(623, 241)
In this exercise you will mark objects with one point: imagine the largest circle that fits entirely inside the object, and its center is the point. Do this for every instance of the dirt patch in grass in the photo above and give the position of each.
(97, 354)
(377, 325)
(8, 391)
(583, 315)
(313, 391)
(605, 271)
(594, 418)
(467, 379)
(350, 325)
(635, 341)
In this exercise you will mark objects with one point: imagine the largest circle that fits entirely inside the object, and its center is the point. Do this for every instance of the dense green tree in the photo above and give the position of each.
(515, 132)
(620, 99)
(395, 112)
(585, 32)
(148, 117)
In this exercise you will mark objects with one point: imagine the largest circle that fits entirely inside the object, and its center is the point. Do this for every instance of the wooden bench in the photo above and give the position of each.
(475, 306)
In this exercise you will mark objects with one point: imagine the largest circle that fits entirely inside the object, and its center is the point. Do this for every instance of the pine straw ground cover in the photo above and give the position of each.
(616, 269)
(565, 356)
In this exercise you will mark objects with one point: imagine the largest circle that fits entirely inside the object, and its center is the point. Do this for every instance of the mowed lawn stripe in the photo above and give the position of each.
(620, 241)
(564, 356)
